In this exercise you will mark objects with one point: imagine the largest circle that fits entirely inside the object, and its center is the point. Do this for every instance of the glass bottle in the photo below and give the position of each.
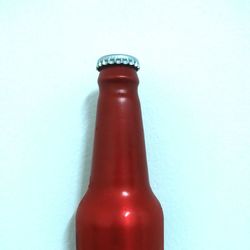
(119, 210)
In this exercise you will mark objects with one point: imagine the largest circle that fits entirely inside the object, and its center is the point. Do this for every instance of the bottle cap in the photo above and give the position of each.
(118, 59)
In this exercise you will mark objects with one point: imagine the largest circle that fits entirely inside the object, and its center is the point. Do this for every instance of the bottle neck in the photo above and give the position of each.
(119, 157)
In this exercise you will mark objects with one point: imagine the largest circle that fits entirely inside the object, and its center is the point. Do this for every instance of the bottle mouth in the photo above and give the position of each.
(117, 59)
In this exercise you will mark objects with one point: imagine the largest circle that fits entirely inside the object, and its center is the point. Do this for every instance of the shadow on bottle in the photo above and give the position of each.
(89, 114)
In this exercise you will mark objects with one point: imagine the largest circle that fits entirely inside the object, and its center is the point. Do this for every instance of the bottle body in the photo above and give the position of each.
(119, 209)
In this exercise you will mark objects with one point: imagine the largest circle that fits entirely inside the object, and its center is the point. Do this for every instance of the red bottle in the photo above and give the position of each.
(119, 211)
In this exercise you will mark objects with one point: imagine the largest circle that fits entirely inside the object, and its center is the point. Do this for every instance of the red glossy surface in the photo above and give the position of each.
(119, 210)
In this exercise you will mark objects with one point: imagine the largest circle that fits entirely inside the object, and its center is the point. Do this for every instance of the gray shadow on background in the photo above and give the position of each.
(89, 114)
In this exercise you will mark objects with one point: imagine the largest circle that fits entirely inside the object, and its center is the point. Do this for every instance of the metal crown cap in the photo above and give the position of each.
(118, 59)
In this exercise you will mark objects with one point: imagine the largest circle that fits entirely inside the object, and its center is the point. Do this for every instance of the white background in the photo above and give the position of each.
(195, 97)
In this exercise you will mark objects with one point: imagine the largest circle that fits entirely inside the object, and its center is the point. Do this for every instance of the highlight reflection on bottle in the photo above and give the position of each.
(119, 210)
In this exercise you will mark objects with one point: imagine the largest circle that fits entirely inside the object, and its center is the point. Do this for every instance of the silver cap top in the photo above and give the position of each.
(118, 59)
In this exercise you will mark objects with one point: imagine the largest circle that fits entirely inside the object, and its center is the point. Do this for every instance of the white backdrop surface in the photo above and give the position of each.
(195, 97)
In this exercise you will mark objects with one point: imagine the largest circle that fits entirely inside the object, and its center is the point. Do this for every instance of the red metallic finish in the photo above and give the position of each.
(119, 211)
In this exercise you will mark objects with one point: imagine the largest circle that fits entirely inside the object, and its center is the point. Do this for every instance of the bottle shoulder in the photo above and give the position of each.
(121, 215)
(121, 204)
